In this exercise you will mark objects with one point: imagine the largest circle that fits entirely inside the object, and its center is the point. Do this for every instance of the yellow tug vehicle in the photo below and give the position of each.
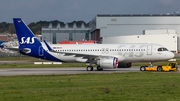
(172, 66)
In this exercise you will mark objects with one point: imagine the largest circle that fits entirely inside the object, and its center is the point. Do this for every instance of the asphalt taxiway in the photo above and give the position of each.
(65, 70)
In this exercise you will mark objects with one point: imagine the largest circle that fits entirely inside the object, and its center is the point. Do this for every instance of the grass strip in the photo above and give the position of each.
(31, 65)
(144, 86)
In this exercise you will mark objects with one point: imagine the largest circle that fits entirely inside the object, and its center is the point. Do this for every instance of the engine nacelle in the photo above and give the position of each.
(109, 62)
(124, 64)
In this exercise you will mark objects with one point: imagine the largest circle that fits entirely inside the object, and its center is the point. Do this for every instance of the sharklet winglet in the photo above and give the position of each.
(49, 48)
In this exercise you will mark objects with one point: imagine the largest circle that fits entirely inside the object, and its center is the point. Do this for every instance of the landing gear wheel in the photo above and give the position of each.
(99, 68)
(142, 68)
(159, 69)
(89, 68)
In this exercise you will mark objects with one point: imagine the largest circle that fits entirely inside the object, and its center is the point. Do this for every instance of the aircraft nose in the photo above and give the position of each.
(171, 55)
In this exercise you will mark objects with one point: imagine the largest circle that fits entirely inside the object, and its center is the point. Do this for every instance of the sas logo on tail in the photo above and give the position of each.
(27, 40)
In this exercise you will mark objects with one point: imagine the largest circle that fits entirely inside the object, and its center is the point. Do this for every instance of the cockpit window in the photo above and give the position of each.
(162, 49)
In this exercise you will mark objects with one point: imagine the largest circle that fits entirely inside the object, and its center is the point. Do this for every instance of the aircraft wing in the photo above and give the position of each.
(88, 56)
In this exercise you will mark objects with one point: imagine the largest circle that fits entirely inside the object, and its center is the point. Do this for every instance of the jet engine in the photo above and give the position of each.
(124, 64)
(108, 63)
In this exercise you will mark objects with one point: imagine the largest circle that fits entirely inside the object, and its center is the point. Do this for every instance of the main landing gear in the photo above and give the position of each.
(90, 68)
(99, 68)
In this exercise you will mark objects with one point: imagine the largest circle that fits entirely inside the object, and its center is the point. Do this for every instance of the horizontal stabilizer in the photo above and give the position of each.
(17, 49)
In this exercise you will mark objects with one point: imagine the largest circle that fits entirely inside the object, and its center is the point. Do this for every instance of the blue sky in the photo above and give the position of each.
(70, 10)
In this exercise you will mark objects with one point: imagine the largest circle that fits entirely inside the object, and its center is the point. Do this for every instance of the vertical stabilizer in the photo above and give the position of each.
(24, 34)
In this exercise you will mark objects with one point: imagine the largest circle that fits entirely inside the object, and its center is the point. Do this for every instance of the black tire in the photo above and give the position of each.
(99, 68)
(159, 69)
(89, 68)
(142, 68)
(92, 68)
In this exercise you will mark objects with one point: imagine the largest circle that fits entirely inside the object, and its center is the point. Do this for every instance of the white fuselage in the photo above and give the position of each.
(124, 52)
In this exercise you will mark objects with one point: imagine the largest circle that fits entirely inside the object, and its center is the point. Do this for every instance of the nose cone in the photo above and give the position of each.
(170, 55)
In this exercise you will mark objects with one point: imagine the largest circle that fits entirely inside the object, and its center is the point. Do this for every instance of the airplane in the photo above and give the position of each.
(105, 56)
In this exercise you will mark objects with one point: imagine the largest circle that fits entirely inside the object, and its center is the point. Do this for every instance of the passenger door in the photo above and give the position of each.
(149, 50)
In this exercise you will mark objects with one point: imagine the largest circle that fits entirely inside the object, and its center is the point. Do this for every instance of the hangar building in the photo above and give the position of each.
(58, 33)
(166, 37)
(108, 25)
(131, 24)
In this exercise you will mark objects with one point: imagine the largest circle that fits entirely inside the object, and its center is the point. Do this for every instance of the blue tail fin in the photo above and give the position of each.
(24, 34)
